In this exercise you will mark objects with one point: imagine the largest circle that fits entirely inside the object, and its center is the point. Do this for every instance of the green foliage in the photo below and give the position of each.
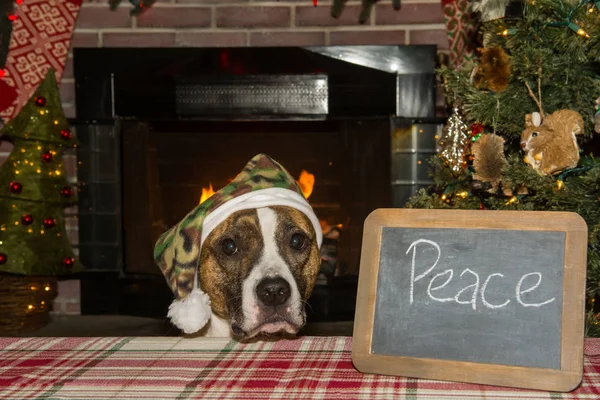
(541, 47)
(33, 238)
(569, 65)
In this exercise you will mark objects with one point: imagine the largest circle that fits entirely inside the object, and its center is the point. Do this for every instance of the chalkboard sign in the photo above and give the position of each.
(492, 297)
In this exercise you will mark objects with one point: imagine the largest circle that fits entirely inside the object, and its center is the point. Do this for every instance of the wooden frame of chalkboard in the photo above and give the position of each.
(568, 372)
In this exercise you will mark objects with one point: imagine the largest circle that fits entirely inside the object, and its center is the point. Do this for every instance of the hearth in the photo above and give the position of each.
(161, 128)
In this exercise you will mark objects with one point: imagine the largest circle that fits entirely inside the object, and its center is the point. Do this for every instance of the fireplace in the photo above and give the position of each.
(160, 128)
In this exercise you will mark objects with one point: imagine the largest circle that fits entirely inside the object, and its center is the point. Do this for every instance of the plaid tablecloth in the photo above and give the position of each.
(177, 368)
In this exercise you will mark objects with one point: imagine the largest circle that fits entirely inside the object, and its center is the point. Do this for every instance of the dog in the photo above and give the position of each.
(259, 267)
(244, 262)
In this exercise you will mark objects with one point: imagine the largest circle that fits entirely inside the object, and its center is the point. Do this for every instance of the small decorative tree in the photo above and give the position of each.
(33, 192)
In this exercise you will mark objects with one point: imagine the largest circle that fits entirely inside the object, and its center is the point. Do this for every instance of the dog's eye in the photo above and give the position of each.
(229, 247)
(297, 241)
(534, 134)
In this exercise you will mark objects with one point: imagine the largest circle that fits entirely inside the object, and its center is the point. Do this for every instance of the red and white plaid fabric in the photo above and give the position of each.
(178, 368)
(40, 40)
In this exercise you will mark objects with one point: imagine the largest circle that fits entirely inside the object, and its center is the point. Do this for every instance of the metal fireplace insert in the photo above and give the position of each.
(160, 129)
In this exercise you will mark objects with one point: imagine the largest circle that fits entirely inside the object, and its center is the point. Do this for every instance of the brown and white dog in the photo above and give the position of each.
(259, 267)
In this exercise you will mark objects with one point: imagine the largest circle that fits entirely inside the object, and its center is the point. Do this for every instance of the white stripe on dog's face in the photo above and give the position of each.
(270, 265)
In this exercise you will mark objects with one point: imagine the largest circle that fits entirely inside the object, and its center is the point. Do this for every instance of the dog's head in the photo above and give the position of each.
(259, 267)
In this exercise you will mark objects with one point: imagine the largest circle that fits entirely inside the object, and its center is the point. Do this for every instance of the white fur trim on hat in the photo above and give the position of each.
(191, 313)
(257, 199)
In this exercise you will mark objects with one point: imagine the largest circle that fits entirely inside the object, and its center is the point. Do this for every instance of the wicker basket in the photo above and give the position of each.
(25, 302)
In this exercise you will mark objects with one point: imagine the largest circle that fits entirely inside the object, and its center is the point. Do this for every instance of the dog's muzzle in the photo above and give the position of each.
(276, 310)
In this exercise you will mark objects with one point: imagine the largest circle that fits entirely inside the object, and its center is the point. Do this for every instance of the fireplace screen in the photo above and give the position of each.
(169, 167)
(153, 145)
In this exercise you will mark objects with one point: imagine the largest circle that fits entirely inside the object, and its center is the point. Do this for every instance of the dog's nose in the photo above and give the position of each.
(523, 145)
(273, 291)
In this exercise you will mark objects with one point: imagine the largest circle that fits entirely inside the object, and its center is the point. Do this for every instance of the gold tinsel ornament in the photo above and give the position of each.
(455, 140)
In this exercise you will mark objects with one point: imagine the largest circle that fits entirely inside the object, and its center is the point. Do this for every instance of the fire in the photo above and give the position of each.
(326, 226)
(306, 181)
(206, 193)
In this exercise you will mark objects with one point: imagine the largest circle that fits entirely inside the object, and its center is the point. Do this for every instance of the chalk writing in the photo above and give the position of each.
(471, 292)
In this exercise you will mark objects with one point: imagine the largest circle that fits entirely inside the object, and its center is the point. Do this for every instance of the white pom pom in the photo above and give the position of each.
(192, 313)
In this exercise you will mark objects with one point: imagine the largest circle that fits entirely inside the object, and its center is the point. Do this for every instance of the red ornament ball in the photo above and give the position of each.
(68, 261)
(49, 222)
(477, 128)
(3, 258)
(66, 134)
(2, 73)
(27, 219)
(16, 187)
(66, 191)
(40, 101)
(12, 17)
(47, 156)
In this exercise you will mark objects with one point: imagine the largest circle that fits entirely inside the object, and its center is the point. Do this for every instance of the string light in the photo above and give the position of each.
(47, 288)
(559, 184)
(508, 31)
(568, 22)
(577, 29)
(512, 200)
(463, 194)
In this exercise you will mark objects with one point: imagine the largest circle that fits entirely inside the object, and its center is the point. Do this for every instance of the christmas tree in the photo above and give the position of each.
(523, 123)
(34, 189)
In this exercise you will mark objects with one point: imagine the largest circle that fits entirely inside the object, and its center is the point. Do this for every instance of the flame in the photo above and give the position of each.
(326, 226)
(306, 181)
(206, 193)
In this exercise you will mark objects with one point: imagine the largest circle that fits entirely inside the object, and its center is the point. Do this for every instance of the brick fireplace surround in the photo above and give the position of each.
(236, 23)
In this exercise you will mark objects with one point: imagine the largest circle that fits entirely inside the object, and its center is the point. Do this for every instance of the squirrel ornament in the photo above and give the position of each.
(550, 143)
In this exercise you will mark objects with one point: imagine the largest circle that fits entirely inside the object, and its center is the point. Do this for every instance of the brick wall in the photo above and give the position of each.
(205, 23)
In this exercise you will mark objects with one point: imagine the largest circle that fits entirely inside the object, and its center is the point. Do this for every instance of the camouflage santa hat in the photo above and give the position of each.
(263, 182)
